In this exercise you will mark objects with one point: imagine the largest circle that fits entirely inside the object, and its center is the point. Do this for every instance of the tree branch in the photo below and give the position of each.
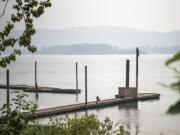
(4, 9)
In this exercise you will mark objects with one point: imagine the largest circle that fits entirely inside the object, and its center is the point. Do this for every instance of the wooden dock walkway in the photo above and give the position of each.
(93, 105)
(41, 89)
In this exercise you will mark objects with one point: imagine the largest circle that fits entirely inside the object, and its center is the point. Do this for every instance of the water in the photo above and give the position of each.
(105, 74)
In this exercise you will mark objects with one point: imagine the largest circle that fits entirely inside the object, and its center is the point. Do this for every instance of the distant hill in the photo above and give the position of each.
(117, 36)
(89, 49)
(161, 50)
(85, 49)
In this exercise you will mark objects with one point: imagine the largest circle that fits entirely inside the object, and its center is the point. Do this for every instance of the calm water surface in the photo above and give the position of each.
(105, 75)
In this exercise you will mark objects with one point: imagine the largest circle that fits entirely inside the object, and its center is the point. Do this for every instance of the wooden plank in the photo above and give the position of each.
(21, 87)
(53, 90)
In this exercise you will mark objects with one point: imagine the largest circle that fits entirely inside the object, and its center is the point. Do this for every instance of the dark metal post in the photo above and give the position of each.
(7, 80)
(86, 85)
(77, 77)
(36, 86)
(127, 73)
(137, 67)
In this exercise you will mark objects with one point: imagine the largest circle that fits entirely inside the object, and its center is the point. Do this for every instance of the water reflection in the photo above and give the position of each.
(131, 116)
(77, 98)
(36, 98)
(128, 106)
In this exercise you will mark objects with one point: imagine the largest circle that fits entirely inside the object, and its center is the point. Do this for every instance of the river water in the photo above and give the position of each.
(105, 74)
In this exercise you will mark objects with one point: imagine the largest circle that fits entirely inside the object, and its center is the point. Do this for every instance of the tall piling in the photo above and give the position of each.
(137, 67)
(127, 73)
(86, 85)
(77, 77)
(36, 85)
(7, 83)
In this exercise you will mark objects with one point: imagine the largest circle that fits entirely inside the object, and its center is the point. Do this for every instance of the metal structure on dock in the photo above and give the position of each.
(128, 91)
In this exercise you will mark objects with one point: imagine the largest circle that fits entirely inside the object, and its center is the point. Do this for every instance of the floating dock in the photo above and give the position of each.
(41, 89)
(93, 105)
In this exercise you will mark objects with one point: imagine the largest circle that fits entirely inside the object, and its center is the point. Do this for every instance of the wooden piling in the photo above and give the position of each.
(7, 81)
(36, 86)
(137, 67)
(86, 85)
(127, 73)
(77, 77)
(35, 72)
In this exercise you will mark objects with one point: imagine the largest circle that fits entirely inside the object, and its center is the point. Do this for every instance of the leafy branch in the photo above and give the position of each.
(4, 9)
(26, 11)
(175, 108)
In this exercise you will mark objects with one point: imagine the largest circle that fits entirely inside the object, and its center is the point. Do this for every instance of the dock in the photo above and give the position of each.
(93, 105)
(125, 94)
(41, 89)
(90, 105)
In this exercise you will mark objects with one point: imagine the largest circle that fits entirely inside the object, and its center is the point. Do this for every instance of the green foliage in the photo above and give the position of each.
(17, 122)
(14, 121)
(174, 109)
(80, 125)
(23, 10)
(175, 58)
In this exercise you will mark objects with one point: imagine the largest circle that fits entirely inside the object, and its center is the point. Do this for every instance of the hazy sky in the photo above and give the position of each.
(156, 15)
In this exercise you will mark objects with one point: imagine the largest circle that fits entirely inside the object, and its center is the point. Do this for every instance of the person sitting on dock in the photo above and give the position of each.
(98, 99)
